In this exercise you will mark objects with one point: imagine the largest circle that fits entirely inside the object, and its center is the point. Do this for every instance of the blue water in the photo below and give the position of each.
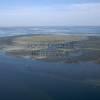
(65, 30)
(22, 79)
(25, 79)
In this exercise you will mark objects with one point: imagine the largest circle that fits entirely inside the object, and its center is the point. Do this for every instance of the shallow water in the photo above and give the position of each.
(25, 79)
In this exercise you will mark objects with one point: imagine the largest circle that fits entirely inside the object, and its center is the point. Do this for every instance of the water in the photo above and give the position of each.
(65, 30)
(77, 79)
(22, 79)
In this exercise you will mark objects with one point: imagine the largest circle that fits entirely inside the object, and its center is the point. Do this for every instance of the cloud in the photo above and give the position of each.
(73, 14)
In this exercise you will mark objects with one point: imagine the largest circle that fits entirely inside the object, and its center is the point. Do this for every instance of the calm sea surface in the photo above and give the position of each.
(22, 79)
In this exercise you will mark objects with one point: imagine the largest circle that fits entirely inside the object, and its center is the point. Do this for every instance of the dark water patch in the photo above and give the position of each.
(36, 80)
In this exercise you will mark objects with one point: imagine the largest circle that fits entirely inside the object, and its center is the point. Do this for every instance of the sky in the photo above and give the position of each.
(50, 12)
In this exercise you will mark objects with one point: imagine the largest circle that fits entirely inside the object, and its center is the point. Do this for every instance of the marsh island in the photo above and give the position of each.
(53, 48)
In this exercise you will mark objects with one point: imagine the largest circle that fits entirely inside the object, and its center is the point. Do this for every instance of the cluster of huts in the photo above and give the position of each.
(53, 48)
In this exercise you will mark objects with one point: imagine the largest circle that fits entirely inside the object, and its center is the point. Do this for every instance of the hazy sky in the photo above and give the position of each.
(49, 12)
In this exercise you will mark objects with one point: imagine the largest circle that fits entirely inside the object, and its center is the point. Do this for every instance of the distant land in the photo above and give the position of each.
(62, 30)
